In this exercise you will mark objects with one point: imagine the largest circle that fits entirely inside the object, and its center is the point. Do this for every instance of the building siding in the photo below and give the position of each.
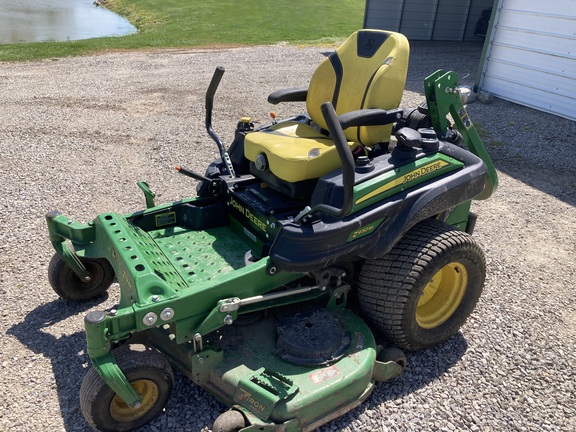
(449, 20)
(531, 55)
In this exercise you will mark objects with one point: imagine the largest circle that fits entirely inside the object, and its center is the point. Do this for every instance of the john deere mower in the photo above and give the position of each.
(309, 239)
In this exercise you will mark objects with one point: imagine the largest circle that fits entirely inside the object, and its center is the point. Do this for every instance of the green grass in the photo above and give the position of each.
(190, 23)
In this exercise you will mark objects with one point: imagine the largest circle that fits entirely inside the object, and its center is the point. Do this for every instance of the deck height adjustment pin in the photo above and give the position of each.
(197, 341)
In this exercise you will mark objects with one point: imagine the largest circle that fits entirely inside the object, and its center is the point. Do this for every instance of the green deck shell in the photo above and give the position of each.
(244, 371)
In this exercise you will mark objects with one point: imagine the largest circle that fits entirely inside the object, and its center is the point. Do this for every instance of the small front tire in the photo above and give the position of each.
(395, 355)
(68, 285)
(149, 373)
(229, 421)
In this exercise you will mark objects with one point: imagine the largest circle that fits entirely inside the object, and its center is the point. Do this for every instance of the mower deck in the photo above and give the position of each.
(241, 366)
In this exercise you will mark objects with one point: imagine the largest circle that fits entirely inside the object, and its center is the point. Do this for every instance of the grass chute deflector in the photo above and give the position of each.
(246, 287)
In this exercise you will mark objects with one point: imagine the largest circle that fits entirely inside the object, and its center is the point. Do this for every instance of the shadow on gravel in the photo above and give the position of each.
(542, 174)
(423, 368)
(66, 353)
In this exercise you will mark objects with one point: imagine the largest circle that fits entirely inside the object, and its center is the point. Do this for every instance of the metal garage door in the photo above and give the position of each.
(426, 19)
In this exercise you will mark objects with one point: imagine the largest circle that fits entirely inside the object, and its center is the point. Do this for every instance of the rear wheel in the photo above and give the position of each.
(421, 292)
(69, 286)
(149, 373)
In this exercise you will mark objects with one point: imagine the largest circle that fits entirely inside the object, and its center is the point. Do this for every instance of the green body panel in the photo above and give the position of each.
(458, 217)
(245, 371)
(256, 244)
(168, 276)
(402, 178)
(190, 307)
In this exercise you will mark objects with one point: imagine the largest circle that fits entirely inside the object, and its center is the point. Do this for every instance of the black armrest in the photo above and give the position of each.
(370, 117)
(288, 95)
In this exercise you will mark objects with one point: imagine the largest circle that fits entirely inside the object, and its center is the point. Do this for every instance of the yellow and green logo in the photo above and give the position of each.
(365, 230)
(402, 178)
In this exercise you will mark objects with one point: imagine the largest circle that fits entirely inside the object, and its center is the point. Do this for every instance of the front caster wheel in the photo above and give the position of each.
(229, 421)
(147, 371)
(395, 355)
(69, 286)
(421, 292)
(390, 365)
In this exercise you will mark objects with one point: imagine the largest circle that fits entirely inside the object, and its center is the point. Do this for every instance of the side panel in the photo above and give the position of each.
(373, 230)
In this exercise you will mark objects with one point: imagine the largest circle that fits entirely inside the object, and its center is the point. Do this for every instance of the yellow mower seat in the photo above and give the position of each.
(367, 71)
(294, 151)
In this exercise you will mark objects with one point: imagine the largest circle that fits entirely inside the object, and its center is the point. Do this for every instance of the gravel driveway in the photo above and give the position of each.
(76, 134)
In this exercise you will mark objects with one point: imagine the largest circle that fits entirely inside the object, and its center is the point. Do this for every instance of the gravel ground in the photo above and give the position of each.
(76, 134)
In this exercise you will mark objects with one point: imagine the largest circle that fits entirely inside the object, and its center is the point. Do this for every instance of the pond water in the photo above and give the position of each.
(58, 20)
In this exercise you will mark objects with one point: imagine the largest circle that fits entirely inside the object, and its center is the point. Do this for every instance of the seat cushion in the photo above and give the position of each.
(367, 71)
(294, 151)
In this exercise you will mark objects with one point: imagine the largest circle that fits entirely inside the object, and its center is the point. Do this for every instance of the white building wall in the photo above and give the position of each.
(531, 55)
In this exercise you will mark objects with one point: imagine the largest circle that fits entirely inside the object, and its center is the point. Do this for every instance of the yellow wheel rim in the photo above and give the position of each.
(442, 295)
(122, 412)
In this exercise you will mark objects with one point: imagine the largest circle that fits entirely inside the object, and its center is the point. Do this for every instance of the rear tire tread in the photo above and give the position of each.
(386, 284)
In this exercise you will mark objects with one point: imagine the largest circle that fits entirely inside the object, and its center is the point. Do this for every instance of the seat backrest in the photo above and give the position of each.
(367, 71)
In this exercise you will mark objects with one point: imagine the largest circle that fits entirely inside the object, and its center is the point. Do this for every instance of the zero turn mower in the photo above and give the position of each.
(308, 236)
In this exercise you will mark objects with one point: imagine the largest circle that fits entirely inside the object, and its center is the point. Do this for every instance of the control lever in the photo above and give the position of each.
(209, 104)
